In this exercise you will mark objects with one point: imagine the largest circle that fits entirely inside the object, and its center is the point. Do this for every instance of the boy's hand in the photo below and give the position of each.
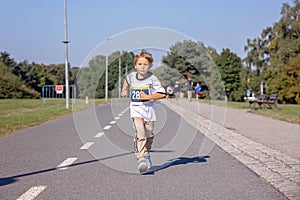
(156, 96)
(123, 93)
(144, 96)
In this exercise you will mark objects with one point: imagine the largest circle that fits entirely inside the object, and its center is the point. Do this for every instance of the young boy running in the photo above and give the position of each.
(144, 89)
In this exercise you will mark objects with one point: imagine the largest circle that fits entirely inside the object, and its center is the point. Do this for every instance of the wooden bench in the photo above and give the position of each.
(264, 101)
(252, 101)
(273, 101)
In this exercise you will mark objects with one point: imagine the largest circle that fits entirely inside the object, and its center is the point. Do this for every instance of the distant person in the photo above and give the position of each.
(177, 89)
(170, 92)
(197, 90)
(144, 89)
(189, 85)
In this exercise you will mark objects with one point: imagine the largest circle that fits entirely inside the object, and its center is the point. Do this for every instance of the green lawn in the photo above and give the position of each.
(285, 112)
(17, 114)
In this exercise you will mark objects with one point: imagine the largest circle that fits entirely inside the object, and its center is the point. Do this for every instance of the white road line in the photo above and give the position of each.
(87, 145)
(112, 122)
(99, 134)
(65, 164)
(125, 110)
(107, 127)
(32, 193)
(120, 115)
(116, 118)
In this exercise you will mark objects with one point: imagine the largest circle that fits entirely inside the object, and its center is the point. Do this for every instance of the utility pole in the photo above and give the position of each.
(126, 72)
(106, 69)
(120, 75)
(106, 76)
(66, 55)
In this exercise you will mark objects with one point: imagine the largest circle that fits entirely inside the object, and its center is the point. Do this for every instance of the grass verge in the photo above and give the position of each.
(17, 114)
(285, 112)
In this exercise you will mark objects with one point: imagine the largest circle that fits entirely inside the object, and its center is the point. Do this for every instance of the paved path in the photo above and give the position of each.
(269, 147)
(89, 155)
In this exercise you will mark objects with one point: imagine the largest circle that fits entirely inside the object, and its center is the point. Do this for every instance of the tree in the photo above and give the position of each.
(230, 67)
(113, 70)
(167, 75)
(91, 79)
(256, 54)
(12, 86)
(88, 77)
(289, 82)
(273, 50)
(6, 60)
(192, 59)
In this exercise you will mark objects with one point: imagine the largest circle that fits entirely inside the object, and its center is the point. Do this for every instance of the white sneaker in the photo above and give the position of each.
(142, 166)
(148, 161)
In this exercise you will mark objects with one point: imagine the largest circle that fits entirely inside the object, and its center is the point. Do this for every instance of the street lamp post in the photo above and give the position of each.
(126, 72)
(106, 76)
(120, 75)
(66, 55)
(106, 70)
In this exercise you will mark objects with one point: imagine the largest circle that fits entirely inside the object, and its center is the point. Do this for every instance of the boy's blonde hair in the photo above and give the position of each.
(145, 55)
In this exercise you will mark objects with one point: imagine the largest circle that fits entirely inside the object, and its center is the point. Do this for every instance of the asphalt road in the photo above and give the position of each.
(89, 155)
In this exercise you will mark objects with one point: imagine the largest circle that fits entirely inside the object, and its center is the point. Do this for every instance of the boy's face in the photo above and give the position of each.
(142, 66)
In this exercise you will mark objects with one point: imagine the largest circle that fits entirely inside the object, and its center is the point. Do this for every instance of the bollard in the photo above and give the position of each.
(86, 100)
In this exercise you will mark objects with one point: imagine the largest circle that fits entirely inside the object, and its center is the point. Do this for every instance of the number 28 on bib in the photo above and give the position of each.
(135, 93)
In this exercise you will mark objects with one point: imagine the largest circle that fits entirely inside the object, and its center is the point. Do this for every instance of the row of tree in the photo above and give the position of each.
(24, 80)
(273, 57)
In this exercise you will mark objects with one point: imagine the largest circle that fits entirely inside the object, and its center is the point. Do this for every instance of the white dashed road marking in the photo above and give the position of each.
(32, 193)
(87, 145)
(107, 127)
(65, 164)
(99, 134)
(125, 110)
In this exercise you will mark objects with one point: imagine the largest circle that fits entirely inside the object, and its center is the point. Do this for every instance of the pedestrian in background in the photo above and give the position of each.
(189, 85)
(197, 90)
(170, 92)
(177, 89)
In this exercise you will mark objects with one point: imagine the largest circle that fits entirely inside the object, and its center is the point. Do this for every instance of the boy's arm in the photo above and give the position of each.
(155, 96)
(124, 89)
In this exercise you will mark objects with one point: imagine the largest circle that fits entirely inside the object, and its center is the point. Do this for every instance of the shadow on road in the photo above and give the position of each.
(177, 161)
(13, 179)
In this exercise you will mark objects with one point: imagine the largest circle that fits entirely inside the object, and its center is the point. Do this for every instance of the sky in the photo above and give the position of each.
(33, 30)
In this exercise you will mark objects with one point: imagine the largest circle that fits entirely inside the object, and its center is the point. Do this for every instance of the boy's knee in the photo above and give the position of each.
(149, 127)
(141, 139)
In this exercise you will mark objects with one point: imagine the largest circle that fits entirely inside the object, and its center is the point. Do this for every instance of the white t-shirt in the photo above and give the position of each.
(149, 85)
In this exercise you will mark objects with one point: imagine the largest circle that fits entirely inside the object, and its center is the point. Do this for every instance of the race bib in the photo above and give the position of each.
(135, 93)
